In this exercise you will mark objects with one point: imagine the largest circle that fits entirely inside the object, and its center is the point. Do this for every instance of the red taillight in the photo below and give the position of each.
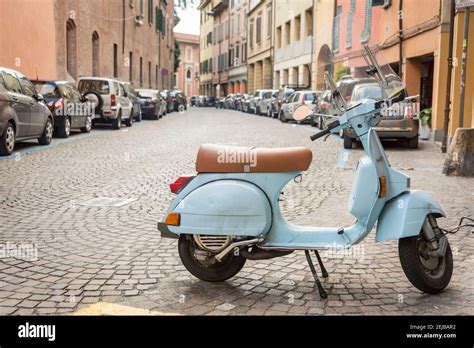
(59, 103)
(409, 112)
(180, 183)
(112, 100)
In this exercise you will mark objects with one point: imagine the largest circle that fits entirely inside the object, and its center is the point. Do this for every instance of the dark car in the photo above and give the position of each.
(397, 122)
(150, 103)
(194, 100)
(179, 101)
(23, 113)
(133, 96)
(209, 101)
(68, 107)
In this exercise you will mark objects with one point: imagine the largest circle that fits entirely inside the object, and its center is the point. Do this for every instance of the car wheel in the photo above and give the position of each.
(65, 130)
(117, 123)
(348, 142)
(269, 112)
(129, 121)
(413, 143)
(88, 126)
(7, 140)
(140, 116)
(47, 135)
(282, 117)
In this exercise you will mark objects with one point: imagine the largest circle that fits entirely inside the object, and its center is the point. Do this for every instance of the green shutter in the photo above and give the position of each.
(350, 18)
(336, 29)
(157, 15)
(368, 21)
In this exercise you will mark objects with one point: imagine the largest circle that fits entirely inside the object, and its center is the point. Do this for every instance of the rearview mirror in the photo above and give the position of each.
(302, 112)
(39, 97)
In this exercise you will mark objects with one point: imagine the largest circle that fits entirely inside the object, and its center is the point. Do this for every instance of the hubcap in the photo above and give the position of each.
(49, 131)
(10, 139)
(67, 126)
(433, 266)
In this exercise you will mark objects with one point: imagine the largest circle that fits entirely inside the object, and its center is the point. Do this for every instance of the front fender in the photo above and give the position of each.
(404, 215)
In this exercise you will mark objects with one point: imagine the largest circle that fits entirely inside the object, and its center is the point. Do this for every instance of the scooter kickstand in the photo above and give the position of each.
(322, 293)
(321, 265)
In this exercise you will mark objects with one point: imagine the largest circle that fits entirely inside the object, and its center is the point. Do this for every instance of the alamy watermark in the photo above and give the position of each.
(231, 154)
(23, 251)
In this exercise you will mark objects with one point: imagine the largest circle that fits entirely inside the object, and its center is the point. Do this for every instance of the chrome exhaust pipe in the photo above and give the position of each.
(234, 245)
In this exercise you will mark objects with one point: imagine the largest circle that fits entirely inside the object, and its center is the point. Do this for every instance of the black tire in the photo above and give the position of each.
(117, 123)
(129, 121)
(417, 273)
(282, 119)
(348, 142)
(219, 272)
(47, 135)
(311, 122)
(7, 140)
(257, 111)
(88, 127)
(413, 143)
(65, 129)
(139, 117)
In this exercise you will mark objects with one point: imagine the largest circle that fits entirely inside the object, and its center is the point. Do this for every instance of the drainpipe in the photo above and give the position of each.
(465, 41)
(123, 26)
(447, 108)
(400, 37)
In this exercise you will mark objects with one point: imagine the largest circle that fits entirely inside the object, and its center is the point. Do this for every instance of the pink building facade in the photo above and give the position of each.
(187, 76)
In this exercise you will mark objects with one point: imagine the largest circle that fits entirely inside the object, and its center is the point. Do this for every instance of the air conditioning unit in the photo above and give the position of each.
(139, 20)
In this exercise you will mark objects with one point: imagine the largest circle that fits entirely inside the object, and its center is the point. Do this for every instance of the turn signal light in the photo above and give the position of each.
(383, 186)
(173, 219)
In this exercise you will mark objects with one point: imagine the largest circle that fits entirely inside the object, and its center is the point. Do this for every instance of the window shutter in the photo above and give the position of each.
(368, 21)
(350, 17)
(336, 29)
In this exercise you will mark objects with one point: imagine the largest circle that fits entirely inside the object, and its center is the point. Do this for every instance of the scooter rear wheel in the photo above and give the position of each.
(210, 270)
(427, 273)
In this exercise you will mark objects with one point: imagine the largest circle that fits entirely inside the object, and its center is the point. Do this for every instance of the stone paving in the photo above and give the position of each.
(86, 254)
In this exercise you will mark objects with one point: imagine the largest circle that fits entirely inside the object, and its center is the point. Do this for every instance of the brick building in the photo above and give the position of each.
(64, 39)
(187, 76)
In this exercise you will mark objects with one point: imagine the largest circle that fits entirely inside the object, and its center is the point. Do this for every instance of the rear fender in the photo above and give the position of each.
(404, 215)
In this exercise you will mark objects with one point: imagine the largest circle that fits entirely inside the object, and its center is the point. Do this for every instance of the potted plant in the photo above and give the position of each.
(425, 118)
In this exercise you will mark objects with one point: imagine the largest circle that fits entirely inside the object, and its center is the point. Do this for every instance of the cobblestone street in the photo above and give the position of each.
(89, 254)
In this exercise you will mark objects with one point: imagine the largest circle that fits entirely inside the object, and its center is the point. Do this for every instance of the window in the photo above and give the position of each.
(150, 11)
(278, 37)
(115, 60)
(95, 54)
(141, 7)
(309, 22)
(298, 28)
(251, 34)
(130, 66)
(71, 50)
(11, 82)
(188, 74)
(149, 74)
(336, 29)
(156, 76)
(259, 30)
(141, 71)
(269, 21)
(288, 32)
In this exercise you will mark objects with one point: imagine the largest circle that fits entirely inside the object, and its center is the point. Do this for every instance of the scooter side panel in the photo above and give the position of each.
(404, 215)
(224, 207)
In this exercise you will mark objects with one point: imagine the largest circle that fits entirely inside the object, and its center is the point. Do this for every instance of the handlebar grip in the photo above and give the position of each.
(326, 131)
(320, 134)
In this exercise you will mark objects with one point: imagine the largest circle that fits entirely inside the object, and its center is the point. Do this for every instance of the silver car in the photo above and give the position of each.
(267, 106)
(256, 100)
(295, 100)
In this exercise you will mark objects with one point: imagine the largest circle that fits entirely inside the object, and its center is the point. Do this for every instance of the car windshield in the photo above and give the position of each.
(372, 91)
(308, 97)
(49, 90)
(98, 86)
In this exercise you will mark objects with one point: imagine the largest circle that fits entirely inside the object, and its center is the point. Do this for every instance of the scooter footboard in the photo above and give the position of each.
(224, 207)
(404, 215)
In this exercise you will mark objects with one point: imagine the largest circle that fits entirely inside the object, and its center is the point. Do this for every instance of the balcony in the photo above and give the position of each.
(295, 50)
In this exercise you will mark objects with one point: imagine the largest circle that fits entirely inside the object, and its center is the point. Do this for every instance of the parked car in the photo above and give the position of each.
(220, 102)
(267, 106)
(229, 101)
(69, 108)
(23, 113)
(133, 96)
(295, 100)
(256, 100)
(245, 103)
(283, 95)
(194, 100)
(210, 101)
(166, 94)
(162, 97)
(347, 83)
(398, 121)
(179, 100)
(150, 103)
(110, 99)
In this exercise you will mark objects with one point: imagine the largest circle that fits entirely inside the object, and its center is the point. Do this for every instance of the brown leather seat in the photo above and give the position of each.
(239, 159)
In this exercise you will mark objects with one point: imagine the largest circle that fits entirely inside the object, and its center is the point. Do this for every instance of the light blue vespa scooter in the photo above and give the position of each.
(229, 211)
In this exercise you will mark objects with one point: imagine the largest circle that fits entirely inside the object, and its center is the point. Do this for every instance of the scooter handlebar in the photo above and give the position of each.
(326, 131)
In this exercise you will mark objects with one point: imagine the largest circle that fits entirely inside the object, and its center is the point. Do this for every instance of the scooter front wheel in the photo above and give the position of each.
(430, 274)
(202, 265)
